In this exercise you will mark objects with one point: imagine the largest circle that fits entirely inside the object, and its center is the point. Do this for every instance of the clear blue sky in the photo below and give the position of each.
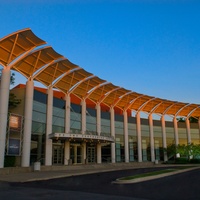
(151, 47)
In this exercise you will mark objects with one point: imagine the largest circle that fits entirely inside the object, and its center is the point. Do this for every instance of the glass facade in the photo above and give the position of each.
(58, 126)
(132, 139)
(119, 139)
(195, 133)
(38, 128)
(158, 143)
(91, 121)
(182, 133)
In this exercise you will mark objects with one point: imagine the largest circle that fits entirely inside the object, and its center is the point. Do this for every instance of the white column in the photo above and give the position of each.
(176, 131)
(67, 113)
(98, 109)
(98, 153)
(4, 99)
(75, 153)
(187, 121)
(39, 147)
(27, 123)
(83, 152)
(164, 137)
(67, 128)
(83, 116)
(66, 152)
(83, 128)
(112, 130)
(151, 138)
(126, 145)
(139, 138)
(48, 143)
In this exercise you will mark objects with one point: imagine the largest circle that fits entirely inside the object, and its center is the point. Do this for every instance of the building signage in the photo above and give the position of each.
(81, 136)
(13, 147)
(14, 122)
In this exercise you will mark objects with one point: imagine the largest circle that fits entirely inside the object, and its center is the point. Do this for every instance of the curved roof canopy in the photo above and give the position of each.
(20, 52)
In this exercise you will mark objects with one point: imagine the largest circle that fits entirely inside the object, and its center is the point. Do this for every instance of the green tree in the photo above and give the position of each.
(13, 101)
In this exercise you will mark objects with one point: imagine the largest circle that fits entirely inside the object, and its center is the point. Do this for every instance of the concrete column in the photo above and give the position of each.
(75, 154)
(126, 145)
(164, 137)
(83, 128)
(187, 121)
(98, 109)
(27, 123)
(83, 152)
(98, 153)
(48, 142)
(39, 147)
(83, 116)
(139, 137)
(66, 152)
(112, 130)
(4, 99)
(67, 113)
(176, 131)
(151, 138)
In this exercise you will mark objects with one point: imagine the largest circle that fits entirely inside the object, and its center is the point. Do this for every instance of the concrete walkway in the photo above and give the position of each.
(52, 172)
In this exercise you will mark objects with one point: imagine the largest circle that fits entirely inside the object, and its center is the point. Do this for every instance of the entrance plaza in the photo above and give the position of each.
(78, 118)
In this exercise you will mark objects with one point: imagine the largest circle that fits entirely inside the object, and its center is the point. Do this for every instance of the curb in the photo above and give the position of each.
(148, 178)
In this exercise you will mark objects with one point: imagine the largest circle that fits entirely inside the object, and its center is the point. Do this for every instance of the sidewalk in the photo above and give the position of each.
(53, 172)
(65, 171)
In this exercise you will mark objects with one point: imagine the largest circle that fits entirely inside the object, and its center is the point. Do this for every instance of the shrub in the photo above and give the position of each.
(9, 161)
(195, 161)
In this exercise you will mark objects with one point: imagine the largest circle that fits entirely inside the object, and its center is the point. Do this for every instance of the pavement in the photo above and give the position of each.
(75, 170)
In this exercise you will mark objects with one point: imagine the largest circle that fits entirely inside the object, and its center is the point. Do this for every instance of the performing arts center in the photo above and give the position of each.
(78, 118)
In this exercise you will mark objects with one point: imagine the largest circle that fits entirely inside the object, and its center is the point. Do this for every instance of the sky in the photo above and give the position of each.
(147, 46)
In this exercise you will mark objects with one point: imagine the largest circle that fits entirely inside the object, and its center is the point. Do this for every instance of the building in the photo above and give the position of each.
(78, 117)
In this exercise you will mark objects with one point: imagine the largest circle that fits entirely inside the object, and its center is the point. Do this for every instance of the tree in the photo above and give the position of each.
(191, 119)
(13, 101)
(12, 77)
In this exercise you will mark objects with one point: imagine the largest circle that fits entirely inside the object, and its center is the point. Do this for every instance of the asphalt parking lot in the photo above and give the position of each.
(183, 186)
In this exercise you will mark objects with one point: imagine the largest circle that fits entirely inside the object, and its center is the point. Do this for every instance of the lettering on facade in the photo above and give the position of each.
(81, 136)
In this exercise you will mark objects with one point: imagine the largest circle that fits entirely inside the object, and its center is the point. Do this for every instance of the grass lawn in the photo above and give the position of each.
(162, 171)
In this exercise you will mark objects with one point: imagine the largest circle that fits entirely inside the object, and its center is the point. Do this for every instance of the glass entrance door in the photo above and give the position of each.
(75, 153)
(91, 154)
(58, 154)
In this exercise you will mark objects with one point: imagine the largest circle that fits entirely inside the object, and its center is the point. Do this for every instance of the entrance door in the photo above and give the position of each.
(91, 152)
(57, 154)
(75, 153)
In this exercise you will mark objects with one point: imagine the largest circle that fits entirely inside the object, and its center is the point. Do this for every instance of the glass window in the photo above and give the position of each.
(170, 135)
(75, 122)
(195, 136)
(105, 126)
